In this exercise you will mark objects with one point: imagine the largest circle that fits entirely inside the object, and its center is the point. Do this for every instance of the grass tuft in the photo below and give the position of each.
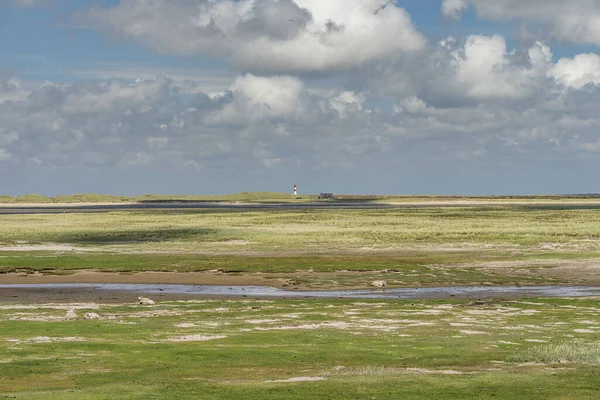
(567, 352)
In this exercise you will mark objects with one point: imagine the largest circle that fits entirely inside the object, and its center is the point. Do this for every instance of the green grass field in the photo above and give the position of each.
(313, 230)
(231, 349)
(243, 348)
(422, 246)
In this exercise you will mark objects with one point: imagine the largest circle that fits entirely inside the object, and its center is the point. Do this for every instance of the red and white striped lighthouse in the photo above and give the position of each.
(295, 190)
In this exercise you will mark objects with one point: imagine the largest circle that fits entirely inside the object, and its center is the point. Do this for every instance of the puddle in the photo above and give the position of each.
(271, 292)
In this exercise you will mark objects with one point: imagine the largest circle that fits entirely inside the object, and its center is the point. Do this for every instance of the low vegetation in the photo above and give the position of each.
(329, 349)
(314, 230)
(571, 351)
(417, 246)
(303, 349)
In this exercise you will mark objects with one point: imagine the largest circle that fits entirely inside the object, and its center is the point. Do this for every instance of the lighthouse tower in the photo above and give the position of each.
(295, 190)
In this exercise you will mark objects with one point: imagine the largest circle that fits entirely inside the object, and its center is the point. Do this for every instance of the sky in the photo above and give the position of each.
(454, 97)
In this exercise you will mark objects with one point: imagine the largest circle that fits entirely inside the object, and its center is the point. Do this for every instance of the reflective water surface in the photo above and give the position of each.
(266, 291)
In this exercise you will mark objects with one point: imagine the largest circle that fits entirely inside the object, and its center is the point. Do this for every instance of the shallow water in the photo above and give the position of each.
(266, 291)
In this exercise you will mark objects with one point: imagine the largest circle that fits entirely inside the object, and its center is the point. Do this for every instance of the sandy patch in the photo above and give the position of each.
(334, 325)
(429, 312)
(261, 321)
(35, 318)
(467, 332)
(236, 242)
(372, 305)
(433, 371)
(47, 339)
(185, 325)
(536, 341)
(292, 316)
(443, 306)
(299, 379)
(42, 247)
(584, 331)
(52, 306)
(580, 271)
(374, 325)
(153, 313)
(195, 338)
(383, 371)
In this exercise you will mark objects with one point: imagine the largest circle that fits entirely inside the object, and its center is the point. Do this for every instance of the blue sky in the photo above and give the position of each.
(350, 96)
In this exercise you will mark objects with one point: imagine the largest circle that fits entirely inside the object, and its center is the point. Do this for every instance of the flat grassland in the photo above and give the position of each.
(303, 349)
(318, 248)
(293, 349)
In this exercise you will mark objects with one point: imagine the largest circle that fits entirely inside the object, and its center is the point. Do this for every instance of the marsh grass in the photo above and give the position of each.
(128, 354)
(411, 242)
(325, 230)
(571, 352)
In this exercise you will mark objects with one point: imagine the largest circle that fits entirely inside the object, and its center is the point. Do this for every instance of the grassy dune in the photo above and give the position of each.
(225, 349)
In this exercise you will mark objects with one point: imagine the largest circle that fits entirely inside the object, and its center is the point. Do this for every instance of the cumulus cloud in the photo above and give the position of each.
(455, 73)
(267, 97)
(265, 123)
(10, 89)
(576, 21)
(115, 95)
(267, 36)
(576, 72)
(486, 70)
(407, 103)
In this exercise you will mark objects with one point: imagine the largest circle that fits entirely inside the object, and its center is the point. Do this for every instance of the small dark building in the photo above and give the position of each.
(329, 196)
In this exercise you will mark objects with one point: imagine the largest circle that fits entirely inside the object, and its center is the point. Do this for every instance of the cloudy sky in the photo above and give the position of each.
(348, 96)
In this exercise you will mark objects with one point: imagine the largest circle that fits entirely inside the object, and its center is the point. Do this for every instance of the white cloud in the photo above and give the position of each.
(117, 94)
(347, 103)
(453, 8)
(257, 98)
(11, 90)
(455, 73)
(274, 36)
(576, 21)
(486, 71)
(578, 71)
(457, 102)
